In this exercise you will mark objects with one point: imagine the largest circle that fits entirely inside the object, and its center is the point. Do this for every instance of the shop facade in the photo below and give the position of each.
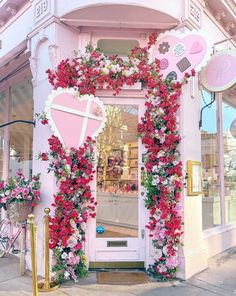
(45, 32)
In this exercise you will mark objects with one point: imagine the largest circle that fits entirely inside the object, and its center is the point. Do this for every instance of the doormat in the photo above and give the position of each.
(121, 278)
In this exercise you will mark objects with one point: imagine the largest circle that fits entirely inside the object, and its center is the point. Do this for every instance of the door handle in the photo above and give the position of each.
(143, 233)
(142, 176)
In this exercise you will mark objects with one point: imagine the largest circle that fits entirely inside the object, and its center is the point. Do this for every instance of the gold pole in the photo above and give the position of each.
(47, 285)
(22, 251)
(46, 222)
(33, 229)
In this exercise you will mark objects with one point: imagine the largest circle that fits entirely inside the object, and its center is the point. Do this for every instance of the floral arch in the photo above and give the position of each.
(73, 168)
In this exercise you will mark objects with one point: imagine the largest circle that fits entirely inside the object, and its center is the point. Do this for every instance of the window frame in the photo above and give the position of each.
(220, 154)
(5, 87)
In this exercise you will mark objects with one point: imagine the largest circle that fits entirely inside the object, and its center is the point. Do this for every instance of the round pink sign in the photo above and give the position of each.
(220, 72)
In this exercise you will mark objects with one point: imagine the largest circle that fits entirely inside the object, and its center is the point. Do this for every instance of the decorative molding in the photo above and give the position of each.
(194, 12)
(220, 15)
(33, 67)
(229, 26)
(219, 25)
(42, 37)
(2, 22)
(41, 9)
(12, 9)
(53, 55)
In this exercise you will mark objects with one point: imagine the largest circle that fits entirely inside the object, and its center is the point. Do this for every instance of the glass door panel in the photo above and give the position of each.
(117, 173)
(21, 135)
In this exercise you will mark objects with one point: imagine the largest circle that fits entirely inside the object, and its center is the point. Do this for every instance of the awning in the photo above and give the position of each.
(120, 16)
(15, 62)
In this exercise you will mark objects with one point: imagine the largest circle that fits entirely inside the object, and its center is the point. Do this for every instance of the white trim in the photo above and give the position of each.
(218, 230)
(85, 123)
(76, 112)
(192, 253)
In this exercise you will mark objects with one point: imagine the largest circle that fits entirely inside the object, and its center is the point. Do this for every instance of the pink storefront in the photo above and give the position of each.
(37, 35)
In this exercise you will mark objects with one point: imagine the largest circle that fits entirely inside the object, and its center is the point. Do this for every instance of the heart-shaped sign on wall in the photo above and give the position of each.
(178, 53)
(73, 118)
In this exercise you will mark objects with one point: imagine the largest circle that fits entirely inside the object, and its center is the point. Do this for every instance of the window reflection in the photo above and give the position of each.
(210, 167)
(229, 142)
(117, 173)
(21, 135)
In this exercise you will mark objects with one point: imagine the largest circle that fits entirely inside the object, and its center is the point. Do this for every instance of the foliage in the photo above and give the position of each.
(159, 132)
(73, 203)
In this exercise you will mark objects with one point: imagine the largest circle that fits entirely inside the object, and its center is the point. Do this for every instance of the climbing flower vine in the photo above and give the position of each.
(73, 168)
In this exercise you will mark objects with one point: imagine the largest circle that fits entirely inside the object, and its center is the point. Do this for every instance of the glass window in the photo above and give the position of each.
(229, 142)
(118, 47)
(21, 135)
(210, 165)
(117, 173)
(2, 117)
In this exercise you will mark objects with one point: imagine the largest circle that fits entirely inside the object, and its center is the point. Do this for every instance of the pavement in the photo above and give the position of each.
(218, 279)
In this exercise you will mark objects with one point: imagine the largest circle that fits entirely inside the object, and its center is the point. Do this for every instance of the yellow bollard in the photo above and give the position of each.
(22, 250)
(47, 285)
(33, 230)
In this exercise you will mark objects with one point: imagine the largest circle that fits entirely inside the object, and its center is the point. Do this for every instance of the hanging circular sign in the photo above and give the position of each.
(73, 118)
(220, 72)
(233, 128)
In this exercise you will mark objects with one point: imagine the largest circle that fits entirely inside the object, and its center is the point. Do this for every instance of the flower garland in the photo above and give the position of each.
(73, 205)
(159, 133)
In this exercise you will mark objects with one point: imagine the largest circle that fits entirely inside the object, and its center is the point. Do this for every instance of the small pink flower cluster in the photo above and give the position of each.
(19, 189)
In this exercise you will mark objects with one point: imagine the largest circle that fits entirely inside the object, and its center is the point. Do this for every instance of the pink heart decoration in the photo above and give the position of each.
(196, 48)
(181, 52)
(73, 118)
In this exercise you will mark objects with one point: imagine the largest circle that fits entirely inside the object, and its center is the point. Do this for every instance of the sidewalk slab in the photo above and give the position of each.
(218, 279)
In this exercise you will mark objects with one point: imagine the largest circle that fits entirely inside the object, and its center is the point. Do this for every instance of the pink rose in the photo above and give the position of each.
(36, 193)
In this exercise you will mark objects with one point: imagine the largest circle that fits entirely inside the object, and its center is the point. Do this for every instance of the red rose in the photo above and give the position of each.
(44, 156)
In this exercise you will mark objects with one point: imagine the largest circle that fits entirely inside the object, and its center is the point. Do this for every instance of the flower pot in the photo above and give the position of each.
(18, 212)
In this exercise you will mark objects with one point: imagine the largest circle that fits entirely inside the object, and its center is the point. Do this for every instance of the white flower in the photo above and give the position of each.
(161, 111)
(155, 180)
(162, 268)
(64, 255)
(7, 192)
(158, 254)
(155, 169)
(83, 226)
(105, 71)
(165, 250)
(72, 241)
(66, 275)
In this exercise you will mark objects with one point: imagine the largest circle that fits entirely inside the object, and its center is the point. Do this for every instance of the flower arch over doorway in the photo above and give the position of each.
(159, 132)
